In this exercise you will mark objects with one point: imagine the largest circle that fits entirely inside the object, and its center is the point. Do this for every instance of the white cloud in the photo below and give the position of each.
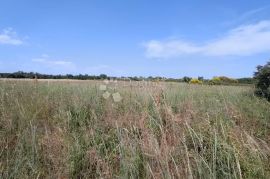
(251, 15)
(169, 48)
(9, 37)
(241, 41)
(44, 59)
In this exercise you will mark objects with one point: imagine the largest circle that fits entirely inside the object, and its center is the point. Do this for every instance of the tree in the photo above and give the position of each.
(201, 78)
(246, 80)
(103, 76)
(187, 79)
(262, 77)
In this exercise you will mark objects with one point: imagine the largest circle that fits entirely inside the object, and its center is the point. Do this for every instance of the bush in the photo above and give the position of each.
(226, 80)
(215, 81)
(195, 81)
(186, 79)
(246, 80)
(222, 80)
(262, 77)
(201, 78)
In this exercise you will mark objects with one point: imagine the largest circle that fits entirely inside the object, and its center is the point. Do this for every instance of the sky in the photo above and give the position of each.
(169, 38)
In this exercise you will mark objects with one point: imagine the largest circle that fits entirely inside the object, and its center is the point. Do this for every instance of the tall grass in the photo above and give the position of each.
(68, 130)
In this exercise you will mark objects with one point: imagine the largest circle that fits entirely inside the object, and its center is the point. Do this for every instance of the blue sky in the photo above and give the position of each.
(169, 38)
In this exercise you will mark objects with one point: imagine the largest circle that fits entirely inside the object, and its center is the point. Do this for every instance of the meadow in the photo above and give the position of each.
(68, 129)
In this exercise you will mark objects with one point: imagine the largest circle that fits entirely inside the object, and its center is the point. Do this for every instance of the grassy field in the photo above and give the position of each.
(67, 129)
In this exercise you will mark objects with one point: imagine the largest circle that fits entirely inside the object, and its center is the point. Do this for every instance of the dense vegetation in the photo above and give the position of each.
(263, 81)
(215, 81)
(56, 129)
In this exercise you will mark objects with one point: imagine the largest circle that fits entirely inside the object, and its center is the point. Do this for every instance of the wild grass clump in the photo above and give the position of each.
(160, 130)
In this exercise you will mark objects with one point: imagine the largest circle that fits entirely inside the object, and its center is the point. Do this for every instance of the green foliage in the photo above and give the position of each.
(246, 80)
(227, 80)
(201, 78)
(32, 75)
(263, 81)
(222, 80)
(186, 79)
(215, 81)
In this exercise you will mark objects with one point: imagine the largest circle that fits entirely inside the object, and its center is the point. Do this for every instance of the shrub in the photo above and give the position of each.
(195, 81)
(222, 80)
(215, 81)
(226, 80)
(186, 79)
(246, 80)
(262, 77)
(201, 78)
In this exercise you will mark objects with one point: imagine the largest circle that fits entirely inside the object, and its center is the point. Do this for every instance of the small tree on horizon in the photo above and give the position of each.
(201, 78)
(186, 79)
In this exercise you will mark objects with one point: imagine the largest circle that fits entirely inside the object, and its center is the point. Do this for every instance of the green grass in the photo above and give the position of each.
(66, 129)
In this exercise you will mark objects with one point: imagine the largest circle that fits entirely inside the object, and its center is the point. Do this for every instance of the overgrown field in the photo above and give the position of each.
(67, 129)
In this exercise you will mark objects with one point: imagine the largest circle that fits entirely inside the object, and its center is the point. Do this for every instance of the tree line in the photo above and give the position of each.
(216, 80)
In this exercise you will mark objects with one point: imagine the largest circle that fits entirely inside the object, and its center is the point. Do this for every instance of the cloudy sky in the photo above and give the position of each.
(170, 38)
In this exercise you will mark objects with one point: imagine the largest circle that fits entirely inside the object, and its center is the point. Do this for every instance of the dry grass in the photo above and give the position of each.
(66, 129)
